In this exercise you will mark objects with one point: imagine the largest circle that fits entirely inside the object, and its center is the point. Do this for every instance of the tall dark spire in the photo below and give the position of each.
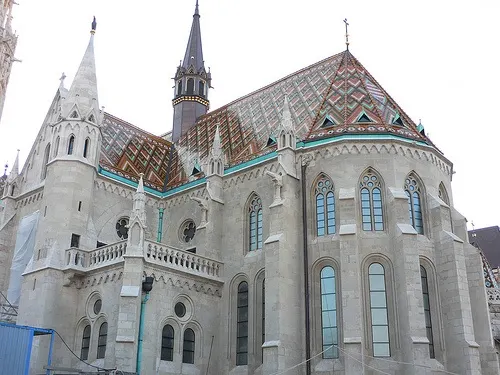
(192, 82)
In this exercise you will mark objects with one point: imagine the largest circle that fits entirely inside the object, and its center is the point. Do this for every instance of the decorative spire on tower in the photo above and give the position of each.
(14, 172)
(139, 207)
(346, 34)
(216, 157)
(82, 99)
(286, 135)
(192, 82)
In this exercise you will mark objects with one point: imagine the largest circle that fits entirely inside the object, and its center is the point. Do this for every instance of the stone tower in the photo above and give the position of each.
(8, 42)
(192, 82)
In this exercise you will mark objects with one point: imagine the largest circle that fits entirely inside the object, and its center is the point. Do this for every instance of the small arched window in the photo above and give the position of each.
(56, 146)
(71, 144)
(86, 148)
(102, 340)
(427, 310)
(13, 190)
(378, 310)
(45, 161)
(190, 86)
(84, 354)
(188, 346)
(179, 88)
(167, 343)
(325, 206)
(201, 89)
(371, 202)
(443, 194)
(414, 192)
(255, 223)
(242, 325)
(329, 332)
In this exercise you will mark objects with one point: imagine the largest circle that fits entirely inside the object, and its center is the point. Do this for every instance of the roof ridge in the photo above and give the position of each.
(325, 98)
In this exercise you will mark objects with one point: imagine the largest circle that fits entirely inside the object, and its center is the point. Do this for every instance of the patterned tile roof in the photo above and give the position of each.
(333, 97)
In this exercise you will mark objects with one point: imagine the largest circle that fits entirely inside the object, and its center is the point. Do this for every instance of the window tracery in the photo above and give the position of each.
(371, 202)
(325, 206)
(413, 191)
(255, 223)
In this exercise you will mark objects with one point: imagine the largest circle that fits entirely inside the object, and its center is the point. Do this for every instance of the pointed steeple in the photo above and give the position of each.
(216, 160)
(192, 82)
(14, 172)
(139, 207)
(82, 95)
(286, 136)
(286, 121)
(217, 145)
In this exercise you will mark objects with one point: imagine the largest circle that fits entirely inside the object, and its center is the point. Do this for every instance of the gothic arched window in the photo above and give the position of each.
(242, 325)
(443, 194)
(179, 88)
(325, 206)
(378, 310)
(255, 223)
(427, 310)
(329, 332)
(45, 161)
(201, 89)
(56, 146)
(84, 354)
(102, 340)
(371, 202)
(188, 346)
(167, 343)
(71, 144)
(86, 148)
(413, 191)
(190, 86)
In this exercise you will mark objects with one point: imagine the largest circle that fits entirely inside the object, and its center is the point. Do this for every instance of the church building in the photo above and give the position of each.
(305, 228)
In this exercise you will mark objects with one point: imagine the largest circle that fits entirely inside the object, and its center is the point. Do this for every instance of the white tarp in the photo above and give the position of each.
(25, 244)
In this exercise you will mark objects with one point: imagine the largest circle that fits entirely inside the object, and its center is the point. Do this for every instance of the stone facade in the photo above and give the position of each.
(246, 292)
(8, 42)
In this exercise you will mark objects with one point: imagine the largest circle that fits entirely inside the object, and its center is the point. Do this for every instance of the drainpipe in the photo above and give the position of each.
(160, 224)
(147, 285)
(306, 269)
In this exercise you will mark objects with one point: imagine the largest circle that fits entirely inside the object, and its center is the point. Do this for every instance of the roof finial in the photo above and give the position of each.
(196, 11)
(63, 76)
(346, 34)
(94, 25)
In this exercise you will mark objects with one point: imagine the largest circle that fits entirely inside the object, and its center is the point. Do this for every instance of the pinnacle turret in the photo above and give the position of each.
(82, 97)
(14, 172)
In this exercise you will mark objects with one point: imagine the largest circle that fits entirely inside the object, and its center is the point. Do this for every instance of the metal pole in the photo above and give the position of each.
(49, 359)
(141, 334)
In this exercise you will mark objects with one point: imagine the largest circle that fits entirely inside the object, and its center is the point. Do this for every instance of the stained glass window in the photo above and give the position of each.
(371, 202)
(378, 310)
(325, 206)
(167, 343)
(86, 147)
(329, 313)
(242, 325)
(255, 223)
(413, 191)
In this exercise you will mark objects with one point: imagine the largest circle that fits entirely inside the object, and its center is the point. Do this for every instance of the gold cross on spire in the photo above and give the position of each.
(346, 34)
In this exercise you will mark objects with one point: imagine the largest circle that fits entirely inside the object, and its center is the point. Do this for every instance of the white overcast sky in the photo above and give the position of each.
(438, 59)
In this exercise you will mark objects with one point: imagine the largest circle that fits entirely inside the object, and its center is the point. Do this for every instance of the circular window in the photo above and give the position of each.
(180, 309)
(187, 231)
(97, 306)
(122, 228)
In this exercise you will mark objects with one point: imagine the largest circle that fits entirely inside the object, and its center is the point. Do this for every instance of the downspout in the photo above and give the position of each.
(160, 224)
(306, 269)
(141, 334)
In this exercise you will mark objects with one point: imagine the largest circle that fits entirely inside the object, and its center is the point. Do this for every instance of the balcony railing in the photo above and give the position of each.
(182, 260)
(83, 259)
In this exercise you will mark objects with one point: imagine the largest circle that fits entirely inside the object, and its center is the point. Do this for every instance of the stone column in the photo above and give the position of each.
(353, 322)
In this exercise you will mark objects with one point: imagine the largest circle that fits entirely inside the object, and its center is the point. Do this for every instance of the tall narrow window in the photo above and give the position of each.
(413, 191)
(201, 89)
(188, 346)
(167, 343)
(378, 309)
(179, 88)
(329, 313)
(190, 86)
(86, 148)
(325, 206)
(71, 145)
(255, 221)
(427, 310)
(242, 325)
(101, 341)
(45, 161)
(56, 146)
(84, 354)
(371, 202)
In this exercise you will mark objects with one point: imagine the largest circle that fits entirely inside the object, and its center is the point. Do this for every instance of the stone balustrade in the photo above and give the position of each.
(95, 258)
(183, 260)
(493, 296)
